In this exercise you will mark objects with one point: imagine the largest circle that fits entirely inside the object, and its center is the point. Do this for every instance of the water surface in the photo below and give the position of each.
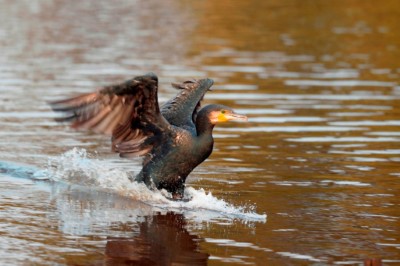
(312, 178)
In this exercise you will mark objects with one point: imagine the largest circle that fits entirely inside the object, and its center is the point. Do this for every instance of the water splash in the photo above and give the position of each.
(78, 167)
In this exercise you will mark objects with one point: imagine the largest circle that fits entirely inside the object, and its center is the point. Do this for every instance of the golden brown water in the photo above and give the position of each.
(320, 154)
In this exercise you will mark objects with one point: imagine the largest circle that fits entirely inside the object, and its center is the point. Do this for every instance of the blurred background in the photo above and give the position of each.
(319, 156)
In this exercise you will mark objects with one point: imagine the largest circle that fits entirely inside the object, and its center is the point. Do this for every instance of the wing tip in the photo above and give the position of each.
(151, 75)
(188, 84)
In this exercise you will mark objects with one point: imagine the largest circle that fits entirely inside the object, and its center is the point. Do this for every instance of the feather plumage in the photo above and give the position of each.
(173, 140)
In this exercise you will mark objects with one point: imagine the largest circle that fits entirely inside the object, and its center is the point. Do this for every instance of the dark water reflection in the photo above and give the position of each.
(162, 240)
(320, 154)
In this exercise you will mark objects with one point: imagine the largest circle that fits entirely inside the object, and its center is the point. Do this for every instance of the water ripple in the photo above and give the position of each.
(340, 83)
(343, 139)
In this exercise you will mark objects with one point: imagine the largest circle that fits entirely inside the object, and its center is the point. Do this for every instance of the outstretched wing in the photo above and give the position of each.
(128, 111)
(181, 111)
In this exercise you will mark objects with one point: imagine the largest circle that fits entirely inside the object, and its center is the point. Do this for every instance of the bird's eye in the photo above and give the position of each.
(222, 111)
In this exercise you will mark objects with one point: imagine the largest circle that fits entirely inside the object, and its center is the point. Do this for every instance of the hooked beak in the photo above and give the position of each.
(235, 117)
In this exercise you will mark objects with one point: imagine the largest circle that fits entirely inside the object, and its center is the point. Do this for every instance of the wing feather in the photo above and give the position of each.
(128, 111)
(182, 110)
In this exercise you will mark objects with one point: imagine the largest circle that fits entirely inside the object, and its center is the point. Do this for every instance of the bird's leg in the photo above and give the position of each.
(177, 196)
(178, 192)
(145, 179)
(139, 178)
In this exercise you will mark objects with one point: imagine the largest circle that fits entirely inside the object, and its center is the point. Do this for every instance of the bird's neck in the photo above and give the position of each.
(205, 139)
(204, 129)
(204, 126)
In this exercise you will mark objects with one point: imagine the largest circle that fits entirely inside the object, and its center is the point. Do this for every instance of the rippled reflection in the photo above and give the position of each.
(161, 240)
(320, 153)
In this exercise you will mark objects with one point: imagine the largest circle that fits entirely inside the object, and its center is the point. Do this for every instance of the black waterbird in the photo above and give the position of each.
(173, 138)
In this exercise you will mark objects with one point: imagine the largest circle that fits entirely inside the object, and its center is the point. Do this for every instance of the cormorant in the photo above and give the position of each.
(173, 140)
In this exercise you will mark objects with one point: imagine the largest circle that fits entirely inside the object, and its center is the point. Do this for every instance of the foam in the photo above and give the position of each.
(78, 167)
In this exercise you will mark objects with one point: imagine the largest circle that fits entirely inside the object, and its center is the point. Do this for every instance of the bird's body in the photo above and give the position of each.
(173, 140)
(172, 163)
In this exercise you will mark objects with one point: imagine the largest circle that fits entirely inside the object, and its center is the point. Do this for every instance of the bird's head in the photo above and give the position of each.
(220, 113)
